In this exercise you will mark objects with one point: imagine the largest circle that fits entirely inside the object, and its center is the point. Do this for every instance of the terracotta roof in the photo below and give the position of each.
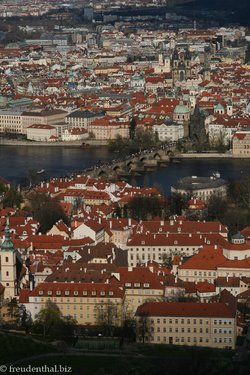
(83, 289)
(185, 309)
(209, 258)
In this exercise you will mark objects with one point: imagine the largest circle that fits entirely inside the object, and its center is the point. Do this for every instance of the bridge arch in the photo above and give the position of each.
(170, 154)
(102, 173)
(157, 156)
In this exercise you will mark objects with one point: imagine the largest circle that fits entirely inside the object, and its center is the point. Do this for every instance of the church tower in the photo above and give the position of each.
(8, 266)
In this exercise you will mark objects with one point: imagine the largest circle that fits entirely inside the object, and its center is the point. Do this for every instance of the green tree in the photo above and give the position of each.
(144, 328)
(51, 322)
(3, 189)
(46, 210)
(132, 128)
(167, 260)
(108, 317)
(143, 208)
(217, 207)
(178, 202)
(13, 313)
(12, 198)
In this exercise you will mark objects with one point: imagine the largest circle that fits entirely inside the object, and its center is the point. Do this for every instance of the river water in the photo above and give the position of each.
(15, 161)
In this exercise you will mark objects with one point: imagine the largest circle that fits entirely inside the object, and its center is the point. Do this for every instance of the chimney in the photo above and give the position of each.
(215, 247)
(110, 224)
(227, 278)
(31, 285)
(162, 223)
(129, 222)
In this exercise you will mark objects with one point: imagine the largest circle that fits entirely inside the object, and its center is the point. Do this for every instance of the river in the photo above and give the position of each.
(15, 161)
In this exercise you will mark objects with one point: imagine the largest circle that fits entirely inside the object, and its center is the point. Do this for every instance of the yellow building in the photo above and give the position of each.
(188, 323)
(241, 144)
(82, 301)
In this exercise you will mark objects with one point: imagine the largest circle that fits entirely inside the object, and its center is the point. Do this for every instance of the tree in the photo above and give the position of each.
(142, 208)
(167, 260)
(240, 192)
(129, 329)
(25, 318)
(144, 328)
(51, 322)
(3, 189)
(108, 317)
(46, 210)
(12, 198)
(217, 207)
(178, 202)
(13, 312)
(132, 128)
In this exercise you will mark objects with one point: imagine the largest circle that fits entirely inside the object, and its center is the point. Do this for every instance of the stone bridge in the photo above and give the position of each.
(135, 163)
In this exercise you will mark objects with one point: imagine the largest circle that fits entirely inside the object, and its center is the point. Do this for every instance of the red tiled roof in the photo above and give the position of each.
(185, 309)
(208, 258)
(71, 288)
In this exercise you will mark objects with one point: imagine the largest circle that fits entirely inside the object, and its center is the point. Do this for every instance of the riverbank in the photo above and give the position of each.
(90, 143)
(206, 155)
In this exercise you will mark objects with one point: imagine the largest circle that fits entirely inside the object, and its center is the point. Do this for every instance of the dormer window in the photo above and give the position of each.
(111, 293)
(58, 292)
(75, 292)
(40, 292)
(49, 292)
(143, 242)
(93, 293)
(175, 242)
(66, 292)
(102, 293)
(84, 293)
(146, 285)
(137, 285)
(128, 285)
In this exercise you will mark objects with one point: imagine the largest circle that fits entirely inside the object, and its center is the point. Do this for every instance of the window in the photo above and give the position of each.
(84, 292)
(111, 293)
(6, 259)
(102, 293)
(58, 292)
(176, 321)
(93, 293)
(75, 292)
(66, 292)
(158, 320)
(7, 273)
(49, 292)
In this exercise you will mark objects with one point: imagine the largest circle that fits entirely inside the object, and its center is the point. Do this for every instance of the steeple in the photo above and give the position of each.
(7, 244)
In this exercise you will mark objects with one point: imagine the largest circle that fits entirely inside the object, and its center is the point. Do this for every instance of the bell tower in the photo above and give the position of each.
(8, 266)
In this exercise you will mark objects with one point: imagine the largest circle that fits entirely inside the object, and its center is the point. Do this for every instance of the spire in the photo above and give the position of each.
(7, 244)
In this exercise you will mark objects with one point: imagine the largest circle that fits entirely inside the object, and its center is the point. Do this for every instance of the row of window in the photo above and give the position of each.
(76, 293)
(225, 331)
(182, 330)
(181, 321)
